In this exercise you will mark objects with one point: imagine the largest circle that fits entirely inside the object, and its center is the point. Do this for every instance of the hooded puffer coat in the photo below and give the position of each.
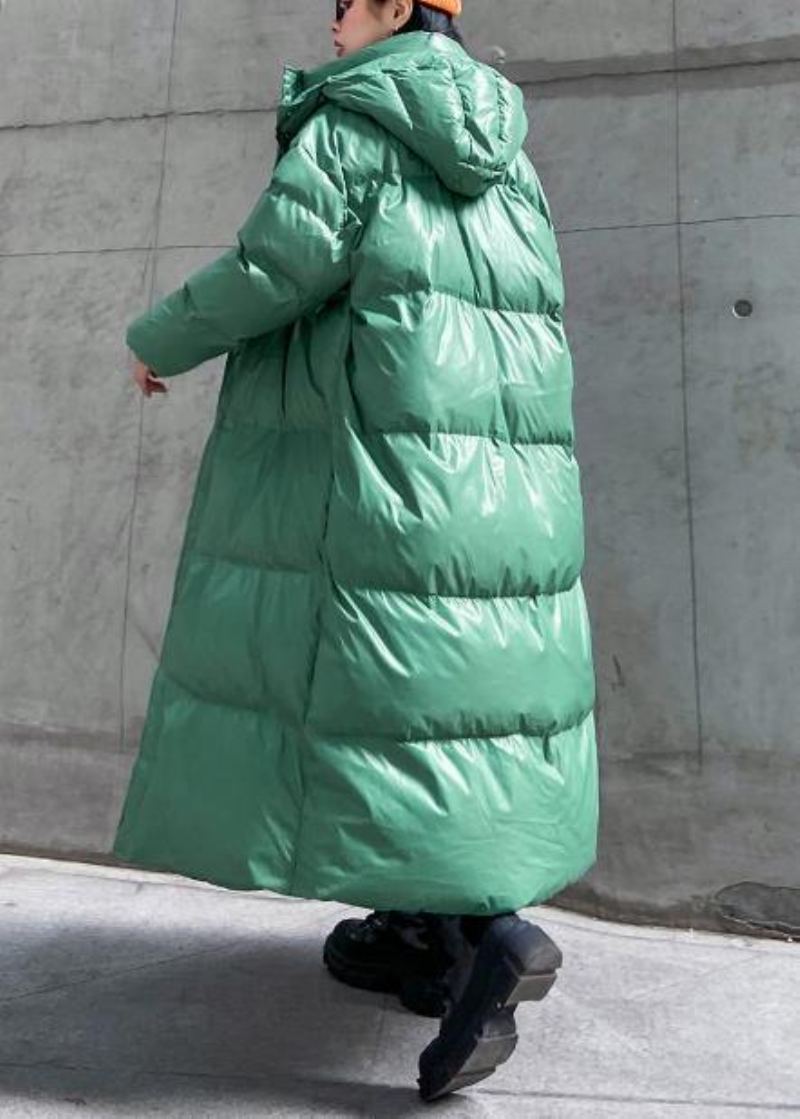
(376, 681)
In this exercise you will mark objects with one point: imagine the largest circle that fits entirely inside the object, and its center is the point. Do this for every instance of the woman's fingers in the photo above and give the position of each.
(147, 381)
(155, 384)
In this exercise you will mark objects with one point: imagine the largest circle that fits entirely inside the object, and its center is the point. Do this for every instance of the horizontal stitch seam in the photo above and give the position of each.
(547, 731)
(364, 736)
(498, 436)
(461, 597)
(473, 303)
(258, 564)
(229, 424)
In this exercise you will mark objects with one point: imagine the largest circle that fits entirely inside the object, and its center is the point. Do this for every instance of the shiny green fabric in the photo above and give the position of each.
(376, 681)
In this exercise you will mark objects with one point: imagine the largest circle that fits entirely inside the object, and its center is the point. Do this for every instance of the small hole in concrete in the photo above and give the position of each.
(742, 308)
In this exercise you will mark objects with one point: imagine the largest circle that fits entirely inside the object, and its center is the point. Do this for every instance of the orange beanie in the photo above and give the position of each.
(451, 6)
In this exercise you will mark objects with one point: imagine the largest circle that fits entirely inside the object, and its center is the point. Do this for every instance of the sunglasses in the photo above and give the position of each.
(341, 8)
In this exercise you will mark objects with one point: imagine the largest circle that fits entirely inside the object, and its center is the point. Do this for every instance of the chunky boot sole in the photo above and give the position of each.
(514, 961)
(414, 991)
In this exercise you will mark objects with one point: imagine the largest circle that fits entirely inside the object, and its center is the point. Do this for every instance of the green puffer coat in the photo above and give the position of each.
(376, 682)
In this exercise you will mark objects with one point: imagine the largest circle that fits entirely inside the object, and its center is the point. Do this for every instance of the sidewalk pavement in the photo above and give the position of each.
(132, 994)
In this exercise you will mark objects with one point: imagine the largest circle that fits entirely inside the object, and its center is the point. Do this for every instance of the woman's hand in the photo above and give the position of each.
(146, 379)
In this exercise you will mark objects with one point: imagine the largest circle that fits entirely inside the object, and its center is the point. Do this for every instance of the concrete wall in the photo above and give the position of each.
(134, 137)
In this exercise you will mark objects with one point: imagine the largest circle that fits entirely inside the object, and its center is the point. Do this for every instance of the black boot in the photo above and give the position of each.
(390, 950)
(501, 961)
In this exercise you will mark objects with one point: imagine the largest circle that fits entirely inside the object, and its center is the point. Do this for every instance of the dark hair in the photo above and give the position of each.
(423, 18)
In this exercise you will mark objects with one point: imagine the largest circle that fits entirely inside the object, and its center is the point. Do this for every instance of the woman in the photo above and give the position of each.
(376, 681)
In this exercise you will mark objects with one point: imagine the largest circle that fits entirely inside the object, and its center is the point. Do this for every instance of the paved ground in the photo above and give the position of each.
(135, 995)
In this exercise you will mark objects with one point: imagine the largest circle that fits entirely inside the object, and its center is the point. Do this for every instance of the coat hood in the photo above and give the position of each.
(460, 115)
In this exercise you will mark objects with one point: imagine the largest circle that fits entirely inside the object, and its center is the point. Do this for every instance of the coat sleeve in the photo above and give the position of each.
(292, 253)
